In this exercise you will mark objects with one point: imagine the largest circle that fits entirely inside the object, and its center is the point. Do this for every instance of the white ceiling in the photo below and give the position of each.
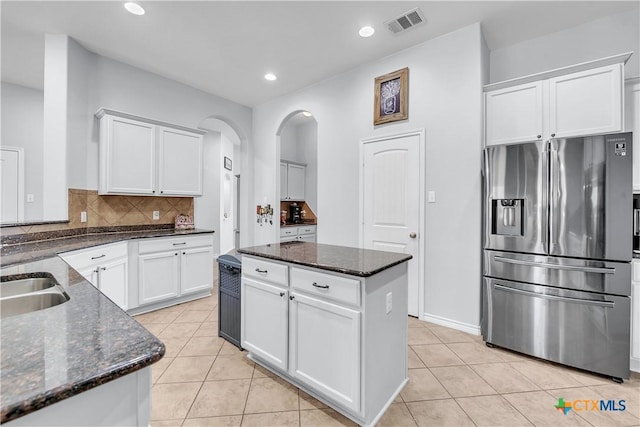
(225, 47)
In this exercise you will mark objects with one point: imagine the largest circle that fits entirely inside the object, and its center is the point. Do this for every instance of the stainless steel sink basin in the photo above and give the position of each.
(31, 302)
(19, 294)
(25, 286)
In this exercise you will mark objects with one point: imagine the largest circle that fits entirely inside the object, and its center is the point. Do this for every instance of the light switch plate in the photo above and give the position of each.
(431, 196)
(156, 215)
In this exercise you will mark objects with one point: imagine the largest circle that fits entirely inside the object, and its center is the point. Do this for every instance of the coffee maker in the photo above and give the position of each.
(295, 217)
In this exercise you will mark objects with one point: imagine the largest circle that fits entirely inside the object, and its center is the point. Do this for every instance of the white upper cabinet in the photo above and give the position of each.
(127, 156)
(145, 157)
(180, 169)
(586, 103)
(292, 181)
(632, 124)
(514, 114)
(584, 99)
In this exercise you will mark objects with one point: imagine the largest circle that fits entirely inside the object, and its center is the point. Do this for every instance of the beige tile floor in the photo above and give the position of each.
(454, 380)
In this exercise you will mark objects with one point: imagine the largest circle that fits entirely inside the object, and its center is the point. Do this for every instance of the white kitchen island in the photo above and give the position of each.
(331, 320)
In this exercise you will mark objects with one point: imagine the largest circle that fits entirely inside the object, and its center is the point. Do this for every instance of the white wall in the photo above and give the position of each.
(604, 37)
(445, 98)
(207, 208)
(227, 206)
(289, 143)
(22, 117)
(307, 136)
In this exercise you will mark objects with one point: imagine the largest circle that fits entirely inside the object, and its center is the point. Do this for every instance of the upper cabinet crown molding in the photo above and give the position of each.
(105, 111)
(609, 60)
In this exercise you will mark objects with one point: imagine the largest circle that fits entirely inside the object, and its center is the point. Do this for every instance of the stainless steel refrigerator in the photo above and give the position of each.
(557, 250)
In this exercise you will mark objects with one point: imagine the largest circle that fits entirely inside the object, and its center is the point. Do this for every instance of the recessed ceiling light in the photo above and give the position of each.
(366, 31)
(134, 8)
(307, 114)
(270, 76)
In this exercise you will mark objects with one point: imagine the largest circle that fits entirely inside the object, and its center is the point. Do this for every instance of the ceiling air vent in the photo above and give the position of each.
(405, 21)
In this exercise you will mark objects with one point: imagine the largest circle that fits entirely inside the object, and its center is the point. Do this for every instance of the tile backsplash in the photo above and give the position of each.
(109, 211)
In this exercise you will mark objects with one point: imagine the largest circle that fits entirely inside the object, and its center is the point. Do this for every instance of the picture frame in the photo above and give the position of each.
(390, 102)
(227, 163)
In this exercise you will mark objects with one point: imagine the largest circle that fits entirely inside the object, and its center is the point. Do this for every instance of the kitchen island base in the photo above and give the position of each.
(125, 401)
(336, 333)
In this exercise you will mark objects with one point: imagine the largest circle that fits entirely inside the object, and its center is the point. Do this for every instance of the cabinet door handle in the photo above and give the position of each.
(99, 256)
(184, 253)
(281, 294)
(539, 136)
(103, 268)
(291, 297)
(552, 135)
(180, 244)
(261, 271)
(176, 254)
(320, 286)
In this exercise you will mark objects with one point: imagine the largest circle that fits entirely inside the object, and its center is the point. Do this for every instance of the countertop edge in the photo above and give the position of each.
(42, 400)
(324, 266)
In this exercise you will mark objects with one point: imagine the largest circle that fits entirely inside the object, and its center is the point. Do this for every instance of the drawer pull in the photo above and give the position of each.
(100, 256)
(320, 286)
(261, 271)
(179, 244)
(281, 294)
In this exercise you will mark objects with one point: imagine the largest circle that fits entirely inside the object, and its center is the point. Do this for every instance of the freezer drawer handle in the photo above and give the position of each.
(608, 304)
(605, 270)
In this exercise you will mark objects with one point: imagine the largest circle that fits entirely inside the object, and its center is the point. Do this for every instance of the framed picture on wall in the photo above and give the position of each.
(390, 100)
(227, 163)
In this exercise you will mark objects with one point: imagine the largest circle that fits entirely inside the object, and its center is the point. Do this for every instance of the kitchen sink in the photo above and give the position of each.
(20, 295)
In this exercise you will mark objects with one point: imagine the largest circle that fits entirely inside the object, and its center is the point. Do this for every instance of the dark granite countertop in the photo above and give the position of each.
(341, 259)
(302, 224)
(55, 353)
(32, 251)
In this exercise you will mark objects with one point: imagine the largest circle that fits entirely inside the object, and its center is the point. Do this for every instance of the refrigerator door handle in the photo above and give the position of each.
(553, 193)
(607, 304)
(636, 222)
(601, 270)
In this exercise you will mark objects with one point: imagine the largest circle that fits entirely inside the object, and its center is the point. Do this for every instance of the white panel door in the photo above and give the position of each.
(585, 103)
(391, 202)
(11, 186)
(180, 170)
(130, 157)
(514, 114)
(196, 270)
(265, 321)
(325, 348)
(158, 276)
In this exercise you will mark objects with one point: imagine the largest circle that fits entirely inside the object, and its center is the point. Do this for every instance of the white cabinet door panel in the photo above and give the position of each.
(196, 270)
(514, 114)
(632, 124)
(284, 193)
(295, 181)
(113, 281)
(180, 163)
(325, 349)
(158, 276)
(264, 321)
(588, 102)
(130, 157)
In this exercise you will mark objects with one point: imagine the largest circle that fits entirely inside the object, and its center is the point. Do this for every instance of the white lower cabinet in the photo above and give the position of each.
(172, 267)
(325, 348)
(264, 324)
(158, 276)
(106, 267)
(328, 333)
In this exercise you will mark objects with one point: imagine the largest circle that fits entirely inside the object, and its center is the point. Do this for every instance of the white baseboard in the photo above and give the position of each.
(453, 324)
(634, 364)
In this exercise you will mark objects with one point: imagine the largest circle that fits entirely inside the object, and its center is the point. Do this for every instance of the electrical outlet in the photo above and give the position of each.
(431, 197)
(83, 216)
(389, 302)
(30, 198)
(156, 215)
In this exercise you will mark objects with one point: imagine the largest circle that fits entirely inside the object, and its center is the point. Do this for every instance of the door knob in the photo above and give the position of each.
(412, 235)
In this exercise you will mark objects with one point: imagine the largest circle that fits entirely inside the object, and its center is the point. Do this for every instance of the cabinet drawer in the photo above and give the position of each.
(332, 287)
(93, 256)
(308, 229)
(288, 231)
(635, 272)
(265, 270)
(171, 243)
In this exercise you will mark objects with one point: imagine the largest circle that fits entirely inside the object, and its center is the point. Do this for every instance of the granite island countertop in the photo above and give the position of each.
(341, 259)
(56, 353)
